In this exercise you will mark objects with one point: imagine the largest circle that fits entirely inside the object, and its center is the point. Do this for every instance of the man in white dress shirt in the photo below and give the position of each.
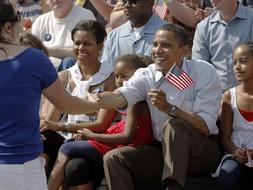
(183, 118)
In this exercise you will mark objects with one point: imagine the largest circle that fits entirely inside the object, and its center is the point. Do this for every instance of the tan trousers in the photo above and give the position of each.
(183, 151)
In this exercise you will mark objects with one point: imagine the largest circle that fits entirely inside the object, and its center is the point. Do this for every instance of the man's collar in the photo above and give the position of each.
(159, 75)
(240, 13)
(149, 28)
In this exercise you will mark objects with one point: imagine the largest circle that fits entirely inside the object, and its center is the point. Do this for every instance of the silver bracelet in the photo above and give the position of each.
(66, 127)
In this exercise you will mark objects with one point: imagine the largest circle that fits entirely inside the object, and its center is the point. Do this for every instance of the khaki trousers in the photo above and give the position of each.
(183, 151)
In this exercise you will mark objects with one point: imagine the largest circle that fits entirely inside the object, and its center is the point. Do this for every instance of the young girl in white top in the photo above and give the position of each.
(237, 121)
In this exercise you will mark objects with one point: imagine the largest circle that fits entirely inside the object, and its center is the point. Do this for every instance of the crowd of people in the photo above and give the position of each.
(92, 88)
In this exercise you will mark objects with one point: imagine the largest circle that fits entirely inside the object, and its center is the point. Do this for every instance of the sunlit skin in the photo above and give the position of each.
(86, 49)
(243, 63)
(122, 73)
(167, 50)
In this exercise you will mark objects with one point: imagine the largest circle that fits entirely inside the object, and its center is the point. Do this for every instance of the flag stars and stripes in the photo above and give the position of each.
(161, 9)
(180, 79)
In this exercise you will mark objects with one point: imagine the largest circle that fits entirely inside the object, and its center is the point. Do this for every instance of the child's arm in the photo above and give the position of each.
(103, 121)
(133, 115)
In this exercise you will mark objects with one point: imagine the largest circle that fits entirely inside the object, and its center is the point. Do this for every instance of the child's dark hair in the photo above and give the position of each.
(180, 33)
(249, 44)
(28, 39)
(131, 60)
(92, 26)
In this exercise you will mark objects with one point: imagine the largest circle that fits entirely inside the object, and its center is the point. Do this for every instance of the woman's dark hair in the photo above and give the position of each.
(132, 61)
(7, 14)
(180, 33)
(91, 26)
(28, 39)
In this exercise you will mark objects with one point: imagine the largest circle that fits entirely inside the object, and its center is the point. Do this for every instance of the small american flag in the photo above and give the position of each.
(180, 79)
(161, 9)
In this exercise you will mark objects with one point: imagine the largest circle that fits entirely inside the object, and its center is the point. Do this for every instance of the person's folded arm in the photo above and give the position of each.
(183, 13)
(60, 52)
(117, 16)
(103, 8)
(159, 100)
(195, 120)
(133, 114)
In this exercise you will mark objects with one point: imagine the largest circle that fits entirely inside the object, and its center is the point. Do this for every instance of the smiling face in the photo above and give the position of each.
(86, 48)
(243, 63)
(167, 50)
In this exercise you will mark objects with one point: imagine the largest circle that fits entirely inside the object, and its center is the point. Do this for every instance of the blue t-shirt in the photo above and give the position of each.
(22, 79)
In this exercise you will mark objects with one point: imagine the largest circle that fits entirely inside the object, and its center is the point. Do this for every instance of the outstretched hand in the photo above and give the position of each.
(49, 125)
(92, 97)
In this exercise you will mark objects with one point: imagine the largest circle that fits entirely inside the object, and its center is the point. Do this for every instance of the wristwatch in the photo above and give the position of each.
(173, 111)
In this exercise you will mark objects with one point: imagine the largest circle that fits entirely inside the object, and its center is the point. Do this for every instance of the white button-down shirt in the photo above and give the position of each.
(202, 98)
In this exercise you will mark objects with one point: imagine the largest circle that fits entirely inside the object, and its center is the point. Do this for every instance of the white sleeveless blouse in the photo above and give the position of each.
(242, 129)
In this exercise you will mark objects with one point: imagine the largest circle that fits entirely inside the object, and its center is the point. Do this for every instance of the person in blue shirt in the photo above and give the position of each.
(133, 37)
(217, 36)
(25, 74)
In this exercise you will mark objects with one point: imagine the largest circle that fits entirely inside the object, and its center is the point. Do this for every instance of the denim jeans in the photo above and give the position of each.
(230, 174)
(66, 63)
